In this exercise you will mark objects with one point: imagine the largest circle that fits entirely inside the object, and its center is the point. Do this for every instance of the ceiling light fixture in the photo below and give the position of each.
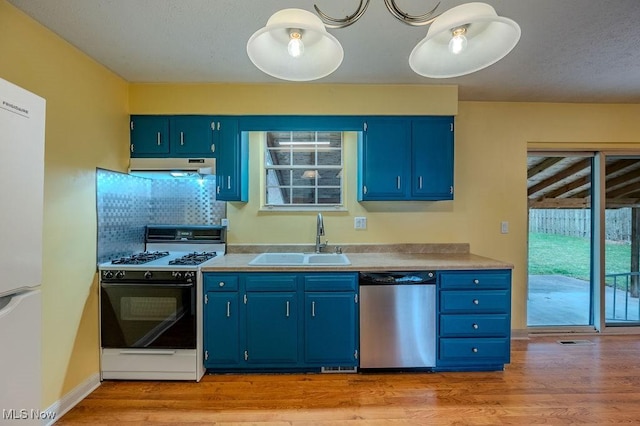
(295, 46)
(443, 53)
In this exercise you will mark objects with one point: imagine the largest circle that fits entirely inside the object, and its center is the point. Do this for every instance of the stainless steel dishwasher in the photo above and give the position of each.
(397, 320)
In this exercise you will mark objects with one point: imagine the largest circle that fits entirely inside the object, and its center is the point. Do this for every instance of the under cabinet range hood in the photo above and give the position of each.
(173, 168)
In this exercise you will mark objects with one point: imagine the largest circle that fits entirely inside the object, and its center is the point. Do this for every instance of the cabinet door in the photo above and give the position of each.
(272, 328)
(221, 329)
(192, 135)
(384, 160)
(432, 158)
(149, 136)
(232, 162)
(330, 328)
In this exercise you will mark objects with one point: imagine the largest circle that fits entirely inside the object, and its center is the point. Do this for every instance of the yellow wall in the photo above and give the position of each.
(86, 127)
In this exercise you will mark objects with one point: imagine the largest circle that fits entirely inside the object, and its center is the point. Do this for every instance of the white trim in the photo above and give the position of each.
(71, 399)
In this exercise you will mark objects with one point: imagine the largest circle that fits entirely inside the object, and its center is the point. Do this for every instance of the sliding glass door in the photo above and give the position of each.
(560, 240)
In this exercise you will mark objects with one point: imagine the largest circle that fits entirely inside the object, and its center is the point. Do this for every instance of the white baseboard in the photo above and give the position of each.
(71, 399)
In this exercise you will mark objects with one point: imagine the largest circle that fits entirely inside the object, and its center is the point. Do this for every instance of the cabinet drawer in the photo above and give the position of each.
(271, 282)
(220, 282)
(489, 301)
(476, 279)
(475, 350)
(330, 282)
(474, 325)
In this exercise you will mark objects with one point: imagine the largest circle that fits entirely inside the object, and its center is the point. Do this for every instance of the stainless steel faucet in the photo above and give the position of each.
(319, 233)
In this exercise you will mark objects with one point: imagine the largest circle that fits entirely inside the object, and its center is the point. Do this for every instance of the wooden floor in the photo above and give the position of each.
(546, 383)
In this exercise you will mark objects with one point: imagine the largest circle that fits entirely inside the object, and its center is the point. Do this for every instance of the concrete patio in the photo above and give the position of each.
(559, 300)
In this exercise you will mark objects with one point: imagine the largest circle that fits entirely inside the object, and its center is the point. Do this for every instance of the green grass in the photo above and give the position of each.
(551, 254)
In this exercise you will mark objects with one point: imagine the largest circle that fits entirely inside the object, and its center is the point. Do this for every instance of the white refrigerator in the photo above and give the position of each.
(22, 120)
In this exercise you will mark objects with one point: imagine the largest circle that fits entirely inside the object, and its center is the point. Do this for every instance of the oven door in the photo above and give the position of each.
(148, 315)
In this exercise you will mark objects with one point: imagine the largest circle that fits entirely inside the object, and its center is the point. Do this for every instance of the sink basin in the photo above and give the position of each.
(327, 259)
(300, 259)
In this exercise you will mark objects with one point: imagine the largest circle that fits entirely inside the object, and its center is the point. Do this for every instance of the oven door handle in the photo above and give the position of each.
(146, 352)
(142, 283)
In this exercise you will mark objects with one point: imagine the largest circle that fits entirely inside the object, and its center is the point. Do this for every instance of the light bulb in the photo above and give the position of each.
(295, 46)
(458, 42)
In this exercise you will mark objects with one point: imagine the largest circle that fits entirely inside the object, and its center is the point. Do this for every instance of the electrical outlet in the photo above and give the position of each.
(504, 227)
(225, 222)
(360, 222)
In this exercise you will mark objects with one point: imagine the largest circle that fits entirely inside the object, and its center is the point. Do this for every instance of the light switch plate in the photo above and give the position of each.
(225, 222)
(360, 222)
(504, 227)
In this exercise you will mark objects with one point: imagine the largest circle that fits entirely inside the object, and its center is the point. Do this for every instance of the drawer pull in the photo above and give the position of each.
(476, 302)
(474, 350)
(476, 281)
(221, 283)
(475, 326)
(228, 309)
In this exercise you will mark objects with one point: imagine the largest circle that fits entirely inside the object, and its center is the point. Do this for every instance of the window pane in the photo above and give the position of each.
(305, 158)
(329, 157)
(330, 177)
(304, 195)
(329, 196)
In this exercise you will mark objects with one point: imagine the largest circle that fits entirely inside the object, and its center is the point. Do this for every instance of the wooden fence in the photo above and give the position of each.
(577, 223)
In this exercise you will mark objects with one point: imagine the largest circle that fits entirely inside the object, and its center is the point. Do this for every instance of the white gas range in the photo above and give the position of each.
(150, 305)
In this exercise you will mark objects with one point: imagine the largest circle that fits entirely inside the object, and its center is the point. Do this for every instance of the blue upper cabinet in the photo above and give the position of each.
(149, 136)
(161, 136)
(192, 135)
(432, 158)
(406, 158)
(384, 153)
(232, 164)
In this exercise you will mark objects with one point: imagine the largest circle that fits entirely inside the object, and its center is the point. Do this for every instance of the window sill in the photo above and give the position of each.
(318, 208)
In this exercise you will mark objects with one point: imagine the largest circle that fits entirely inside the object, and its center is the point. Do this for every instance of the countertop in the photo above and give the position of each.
(398, 258)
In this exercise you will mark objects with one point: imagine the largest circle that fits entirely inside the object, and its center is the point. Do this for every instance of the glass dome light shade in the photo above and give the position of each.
(490, 38)
(267, 47)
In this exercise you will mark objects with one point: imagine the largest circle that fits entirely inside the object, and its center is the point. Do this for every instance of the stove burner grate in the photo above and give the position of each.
(140, 258)
(194, 258)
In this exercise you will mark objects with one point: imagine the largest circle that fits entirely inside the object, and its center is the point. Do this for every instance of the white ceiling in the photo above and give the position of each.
(570, 50)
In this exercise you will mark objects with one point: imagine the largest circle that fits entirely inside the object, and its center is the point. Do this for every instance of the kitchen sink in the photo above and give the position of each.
(300, 259)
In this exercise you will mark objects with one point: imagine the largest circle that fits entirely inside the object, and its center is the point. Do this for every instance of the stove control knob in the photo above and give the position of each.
(189, 275)
(148, 275)
(177, 275)
(120, 275)
(107, 274)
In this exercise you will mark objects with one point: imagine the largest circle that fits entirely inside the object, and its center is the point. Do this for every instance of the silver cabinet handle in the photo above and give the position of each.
(229, 182)
(228, 309)
(476, 302)
(158, 135)
(476, 281)
(287, 309)
(420, 182)
(181, 138)
(213, 147)
(475, 326)
(221, 284)
(131, 147)
(474, 350)
(398, 182)
(313, 309)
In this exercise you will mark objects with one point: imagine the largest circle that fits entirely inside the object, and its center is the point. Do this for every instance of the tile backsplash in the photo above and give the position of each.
(126, 203)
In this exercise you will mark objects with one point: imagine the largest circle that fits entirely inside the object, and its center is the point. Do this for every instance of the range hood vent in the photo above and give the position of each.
(172, 168)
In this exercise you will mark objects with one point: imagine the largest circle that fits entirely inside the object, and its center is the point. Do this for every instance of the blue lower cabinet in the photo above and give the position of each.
(280, 321)
(474, 320)
(272, 328)
(221, 329)
(329, 329)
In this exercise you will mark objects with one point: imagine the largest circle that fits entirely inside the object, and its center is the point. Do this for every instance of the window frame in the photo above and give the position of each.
(292, 149)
